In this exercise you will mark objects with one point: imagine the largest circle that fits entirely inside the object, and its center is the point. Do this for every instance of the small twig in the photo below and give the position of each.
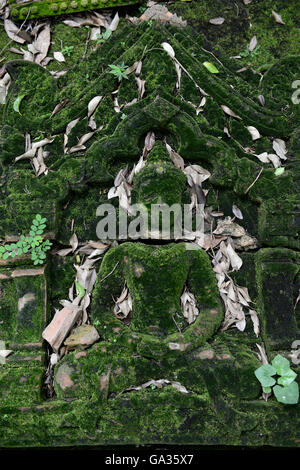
(248, 189)
(110, 272)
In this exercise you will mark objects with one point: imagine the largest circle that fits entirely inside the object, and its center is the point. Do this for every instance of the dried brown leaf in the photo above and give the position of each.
(73, 241)
(254, 132)
(12, 31)
(94, 102)
(253, 44)
(58, 56)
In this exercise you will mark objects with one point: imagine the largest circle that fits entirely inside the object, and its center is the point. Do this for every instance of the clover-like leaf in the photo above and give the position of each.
(267, 389)
(288, 395)
(288, 377)
(264, 375)
(281, 364)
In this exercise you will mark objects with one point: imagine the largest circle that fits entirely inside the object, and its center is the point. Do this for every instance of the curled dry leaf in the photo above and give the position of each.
(93, 105)
(197, 173)
(263, 157)
(255, 321)
(189, 306)
(4, 85)
(81, 142)
(58, 56)
(175, 157)
(235, 260)
(179, 73)
(149, 143)
(274, 159)
(160, 383)
(246, 242)
(92, 123)
(237, 212)
(12, 31)
(95, 19)
(64, 252)
(123, 304)
(42, 43)
(261, 99)
(229, 111)
(262, 355)
(60, 106)
(73, 242)
(35, 146)
(115, 22)
(141, 87)
(169, 49)
(229, 228)
(217, 21)
(280, 148)
(71, 125)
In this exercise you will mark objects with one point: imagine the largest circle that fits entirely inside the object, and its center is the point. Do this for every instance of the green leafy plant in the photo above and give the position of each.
(101, 38)
(286, 390)
(33, 243)
(119, 71)
(67, 50)
(247, 53)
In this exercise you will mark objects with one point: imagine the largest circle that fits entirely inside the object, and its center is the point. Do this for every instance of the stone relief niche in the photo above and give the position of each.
(180, 323)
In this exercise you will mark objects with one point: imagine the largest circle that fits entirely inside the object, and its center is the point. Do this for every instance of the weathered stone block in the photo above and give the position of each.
(23, 306)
